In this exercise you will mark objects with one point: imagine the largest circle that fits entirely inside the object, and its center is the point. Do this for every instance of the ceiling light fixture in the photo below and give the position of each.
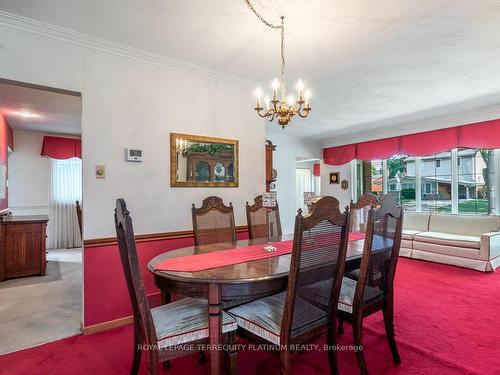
(285, 107)
(26, 114)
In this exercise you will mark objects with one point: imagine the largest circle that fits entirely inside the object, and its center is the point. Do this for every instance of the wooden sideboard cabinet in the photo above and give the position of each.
(22, 246)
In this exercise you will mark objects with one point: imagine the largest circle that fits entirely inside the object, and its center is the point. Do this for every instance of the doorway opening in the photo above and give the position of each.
(305, 182)
(41, 292)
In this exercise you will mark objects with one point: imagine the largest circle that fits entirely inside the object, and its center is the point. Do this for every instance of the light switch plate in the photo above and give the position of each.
(100, 171)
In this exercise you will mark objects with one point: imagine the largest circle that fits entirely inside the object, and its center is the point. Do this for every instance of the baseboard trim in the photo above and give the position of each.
(107, 325)
(111, 241)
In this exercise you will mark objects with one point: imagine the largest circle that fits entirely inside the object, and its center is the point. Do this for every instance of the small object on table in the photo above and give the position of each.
(269, 202)
(309, 197)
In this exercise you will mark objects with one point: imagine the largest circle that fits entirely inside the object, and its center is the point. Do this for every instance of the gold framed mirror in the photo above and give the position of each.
(198, 161)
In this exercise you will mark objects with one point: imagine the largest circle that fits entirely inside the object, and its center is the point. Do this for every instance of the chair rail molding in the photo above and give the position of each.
(14, 21)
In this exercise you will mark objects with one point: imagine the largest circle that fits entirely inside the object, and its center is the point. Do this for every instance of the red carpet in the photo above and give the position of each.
(447, 322)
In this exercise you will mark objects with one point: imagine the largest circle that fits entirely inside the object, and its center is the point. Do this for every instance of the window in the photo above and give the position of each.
(435, 175)
(401, 180)
(66, 180)
(66, 188)
(359, 178)
(377, 181)
(463, 181)
(475, 193)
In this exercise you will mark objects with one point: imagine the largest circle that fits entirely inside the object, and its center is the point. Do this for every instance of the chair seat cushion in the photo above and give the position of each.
(263, 317)
(347, 294)
(408, 234)
(185, 321)
(449, 239)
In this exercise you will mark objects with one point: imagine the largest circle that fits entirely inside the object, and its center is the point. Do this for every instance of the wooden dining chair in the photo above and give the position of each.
(79, 217)
(318, 259)
(359, 211)
(168, 331)
(359, 218)
(257, 220)
(373, 291)
(213, 222)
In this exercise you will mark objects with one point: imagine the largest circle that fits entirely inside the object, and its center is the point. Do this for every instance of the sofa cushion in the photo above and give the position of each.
(408, 244)
(417, 221)
(408, 234)
(449, 239)
(475, 264)
(466, 225)
(457, 251)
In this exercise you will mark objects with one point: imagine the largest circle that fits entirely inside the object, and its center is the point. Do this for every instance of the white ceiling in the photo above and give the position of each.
(54, 112)
(371, 65)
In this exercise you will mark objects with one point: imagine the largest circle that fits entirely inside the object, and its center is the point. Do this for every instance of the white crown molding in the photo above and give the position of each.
(14, 21)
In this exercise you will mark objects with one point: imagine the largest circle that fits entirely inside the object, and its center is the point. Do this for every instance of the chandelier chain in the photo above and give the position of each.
(267, 23)
(281, 108)
(282, 27)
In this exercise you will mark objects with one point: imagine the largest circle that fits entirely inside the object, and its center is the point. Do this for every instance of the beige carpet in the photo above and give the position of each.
(36, 310)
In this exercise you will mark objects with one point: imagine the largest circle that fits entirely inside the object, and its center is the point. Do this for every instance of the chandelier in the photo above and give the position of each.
(280, 106)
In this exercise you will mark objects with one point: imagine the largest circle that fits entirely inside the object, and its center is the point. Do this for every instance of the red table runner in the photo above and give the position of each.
(221, 258)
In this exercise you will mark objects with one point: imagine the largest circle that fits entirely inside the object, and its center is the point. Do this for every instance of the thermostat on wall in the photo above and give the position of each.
(133, 154)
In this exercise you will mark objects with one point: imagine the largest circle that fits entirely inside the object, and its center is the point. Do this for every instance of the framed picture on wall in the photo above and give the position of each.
(344, 184)
(334, 177)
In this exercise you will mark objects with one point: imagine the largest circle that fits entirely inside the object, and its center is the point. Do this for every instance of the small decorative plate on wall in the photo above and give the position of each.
(334, 177)
(344, 184)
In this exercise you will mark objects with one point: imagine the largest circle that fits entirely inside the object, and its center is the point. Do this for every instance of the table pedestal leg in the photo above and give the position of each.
(215, 328)
(165, 297)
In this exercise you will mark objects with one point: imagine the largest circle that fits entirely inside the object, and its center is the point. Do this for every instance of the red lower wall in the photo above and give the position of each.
(105, 295)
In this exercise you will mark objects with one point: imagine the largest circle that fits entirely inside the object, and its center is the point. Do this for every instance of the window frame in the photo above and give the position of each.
(419, 186)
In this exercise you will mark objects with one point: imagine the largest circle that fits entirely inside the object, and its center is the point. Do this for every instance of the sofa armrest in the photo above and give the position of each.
(490, 245)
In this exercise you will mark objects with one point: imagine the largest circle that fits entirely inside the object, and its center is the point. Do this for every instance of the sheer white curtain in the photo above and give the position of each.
(66, 188)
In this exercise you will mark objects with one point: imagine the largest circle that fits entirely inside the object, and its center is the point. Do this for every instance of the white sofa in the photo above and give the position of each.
(461, 240)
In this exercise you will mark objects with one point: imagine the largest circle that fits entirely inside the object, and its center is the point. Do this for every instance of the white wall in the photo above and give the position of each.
(136, 102)
(29, 175)
(344, 196)
(288, 148)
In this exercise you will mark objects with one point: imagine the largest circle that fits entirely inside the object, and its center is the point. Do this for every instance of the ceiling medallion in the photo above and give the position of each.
(282, 108)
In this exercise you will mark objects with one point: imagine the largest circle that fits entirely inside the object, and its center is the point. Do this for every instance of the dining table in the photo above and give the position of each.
(227, 285)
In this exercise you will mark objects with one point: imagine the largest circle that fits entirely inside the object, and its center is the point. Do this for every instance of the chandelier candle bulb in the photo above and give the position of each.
(275, 86)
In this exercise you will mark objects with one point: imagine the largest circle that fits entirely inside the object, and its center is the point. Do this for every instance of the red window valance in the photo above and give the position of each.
(317, 170)
(479, 135)
(61, 148)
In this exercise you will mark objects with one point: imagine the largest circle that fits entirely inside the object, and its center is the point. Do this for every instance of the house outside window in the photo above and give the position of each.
(460, 181)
